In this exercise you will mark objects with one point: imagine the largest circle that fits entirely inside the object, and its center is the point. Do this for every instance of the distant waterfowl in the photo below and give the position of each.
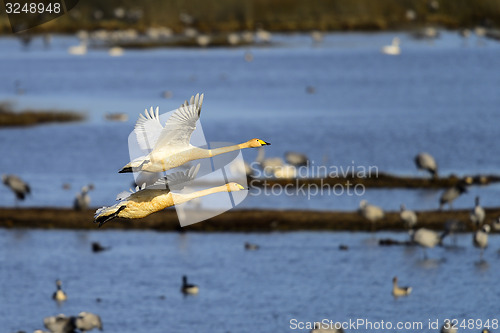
(480, 238)
(477, 215)
(296, 159)
(275, 166)
(78, 50)
(480, 31)
(248, 56)
(82, 199)
(392, 49)
(190, 32)
(408, 217)
(433, 5)
(97, 247)
(171, 144)
(428, 33)
(269, 164)
(233, 39)
(448, 327)
(116, 116)
(411, 15)
(203, 40)
(426, 238)
(317, 36)
(285, 172)
(453, 226)
(451, 194)
(251, 247)
(425, 161)
(157, 197)
(18, 88)
(310, 90)
(87, 321)
(59, 324)
(398, 291)
(263, 35)
(188, 288)
(17, 185)
(167, 94)
(370, 212)
(465, 33)
(25, 38)
(116, 51)
(327, 328)
(496, 224)
(59, 295)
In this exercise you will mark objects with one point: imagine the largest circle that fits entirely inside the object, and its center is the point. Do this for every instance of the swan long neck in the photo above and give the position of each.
(223, 150)
(260, 155)
(182, 198)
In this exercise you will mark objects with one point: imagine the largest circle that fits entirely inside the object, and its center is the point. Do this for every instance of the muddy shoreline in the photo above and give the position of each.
(11, 118)
(382, 180)
(231, 221)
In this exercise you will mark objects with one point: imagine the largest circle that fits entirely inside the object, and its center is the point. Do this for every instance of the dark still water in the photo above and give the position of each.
(299, 275)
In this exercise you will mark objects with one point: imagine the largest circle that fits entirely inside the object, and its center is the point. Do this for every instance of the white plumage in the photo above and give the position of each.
(87, 321)
(169, 146)
(370, 212)
(392, 49)
(480, 238)
(425, 161)
(408, 217)
(478, 214)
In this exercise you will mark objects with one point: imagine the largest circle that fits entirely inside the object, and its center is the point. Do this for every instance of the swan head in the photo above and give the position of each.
(254, 143)
(486, 228)
(234, 187)
(363, 204)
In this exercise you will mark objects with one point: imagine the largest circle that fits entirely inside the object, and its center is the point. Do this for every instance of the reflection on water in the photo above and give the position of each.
(300, 275)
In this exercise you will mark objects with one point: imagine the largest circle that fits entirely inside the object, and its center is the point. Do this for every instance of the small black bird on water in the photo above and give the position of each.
(97, 247)
(188, 288)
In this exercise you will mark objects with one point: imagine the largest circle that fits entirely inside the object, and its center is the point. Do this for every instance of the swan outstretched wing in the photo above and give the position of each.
(125, 194)
(177, 180)
(180, 126)
(148, 128)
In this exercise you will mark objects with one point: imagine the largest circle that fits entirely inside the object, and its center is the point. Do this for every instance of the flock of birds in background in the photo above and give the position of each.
(427, 238)
(87, 321)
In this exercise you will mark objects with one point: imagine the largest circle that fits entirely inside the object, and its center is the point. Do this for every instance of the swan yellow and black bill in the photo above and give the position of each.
(240, 187)
(264, 143)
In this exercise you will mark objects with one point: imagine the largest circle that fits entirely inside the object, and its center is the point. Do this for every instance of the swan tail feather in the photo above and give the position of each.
(105, 214)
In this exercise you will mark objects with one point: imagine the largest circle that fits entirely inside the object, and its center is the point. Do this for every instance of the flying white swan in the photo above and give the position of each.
(151, 199)
(171, 144)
